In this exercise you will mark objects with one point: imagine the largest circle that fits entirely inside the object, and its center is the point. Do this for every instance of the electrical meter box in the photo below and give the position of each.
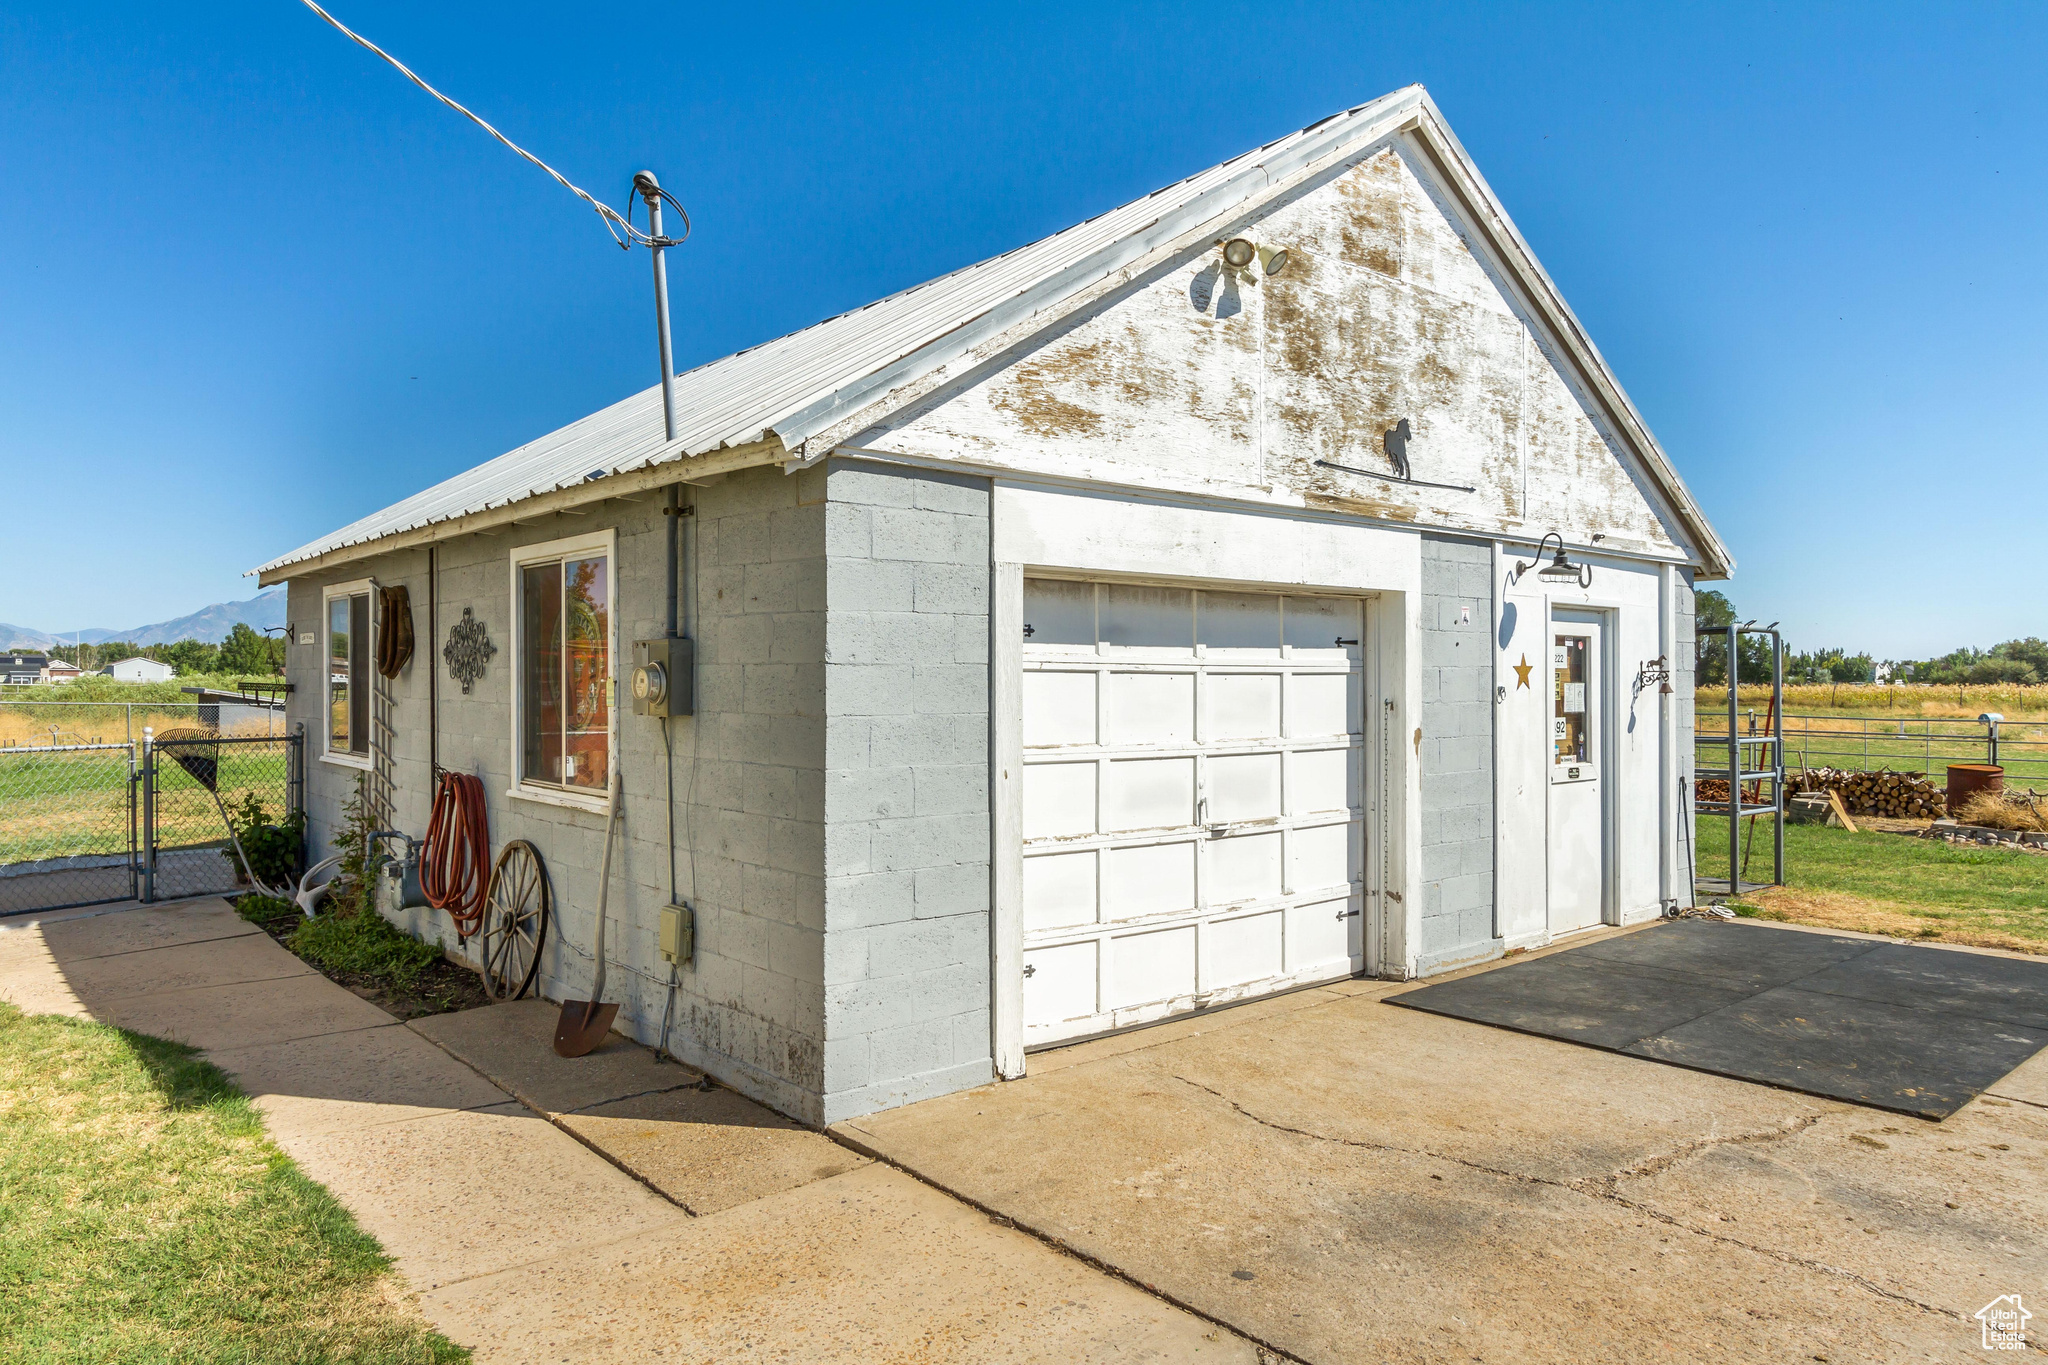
(678, 936)
(663, 673)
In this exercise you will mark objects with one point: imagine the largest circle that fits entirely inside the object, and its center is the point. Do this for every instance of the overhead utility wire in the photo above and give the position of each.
(613, 223)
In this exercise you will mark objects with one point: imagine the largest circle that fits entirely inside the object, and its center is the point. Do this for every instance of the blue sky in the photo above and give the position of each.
(254, 285)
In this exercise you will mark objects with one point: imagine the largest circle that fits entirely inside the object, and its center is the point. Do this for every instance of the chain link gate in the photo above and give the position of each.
(185, 779)
(87, 824)
(68, 821)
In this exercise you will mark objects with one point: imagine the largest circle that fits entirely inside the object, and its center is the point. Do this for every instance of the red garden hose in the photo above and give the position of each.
(455, 862)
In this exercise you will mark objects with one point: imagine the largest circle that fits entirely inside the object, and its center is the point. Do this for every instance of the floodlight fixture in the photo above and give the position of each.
(1239, 252)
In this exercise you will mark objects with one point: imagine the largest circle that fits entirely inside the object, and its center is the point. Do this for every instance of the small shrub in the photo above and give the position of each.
(260, 909)
(352, 891)
(273, 850)
(365, 943)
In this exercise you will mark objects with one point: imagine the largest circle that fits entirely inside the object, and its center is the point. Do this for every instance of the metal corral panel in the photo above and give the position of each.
(799, 384)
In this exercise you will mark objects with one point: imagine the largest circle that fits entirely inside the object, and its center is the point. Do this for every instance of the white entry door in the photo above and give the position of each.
(1193, 786)
(1578, 846)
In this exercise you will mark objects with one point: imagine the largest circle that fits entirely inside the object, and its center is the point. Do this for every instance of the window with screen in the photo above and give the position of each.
(565, 670)
(348, 673)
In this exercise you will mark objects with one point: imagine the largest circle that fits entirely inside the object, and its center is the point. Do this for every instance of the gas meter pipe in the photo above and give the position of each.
(455, 861)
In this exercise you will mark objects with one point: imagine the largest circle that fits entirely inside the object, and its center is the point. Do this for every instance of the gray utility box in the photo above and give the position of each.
(664, 671)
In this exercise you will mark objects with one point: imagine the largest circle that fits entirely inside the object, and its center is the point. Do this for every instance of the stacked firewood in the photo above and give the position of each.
(1908, 796)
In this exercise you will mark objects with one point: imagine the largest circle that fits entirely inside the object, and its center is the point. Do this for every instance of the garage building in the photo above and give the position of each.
(1146, 619)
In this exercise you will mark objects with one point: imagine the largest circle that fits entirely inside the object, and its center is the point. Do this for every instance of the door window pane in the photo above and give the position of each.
(1569, 716)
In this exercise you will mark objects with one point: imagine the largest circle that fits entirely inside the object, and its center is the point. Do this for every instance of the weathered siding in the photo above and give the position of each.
(1203, 380)
(748, 773)
(906, 786)
(1457, 754)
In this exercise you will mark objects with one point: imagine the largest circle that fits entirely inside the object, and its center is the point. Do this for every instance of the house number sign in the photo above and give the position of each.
(468, 649)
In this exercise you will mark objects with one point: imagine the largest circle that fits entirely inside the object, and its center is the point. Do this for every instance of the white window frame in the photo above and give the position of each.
(607, 542)
(355, 587)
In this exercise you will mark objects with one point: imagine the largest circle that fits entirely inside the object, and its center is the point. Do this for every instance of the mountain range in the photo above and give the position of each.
(210, 624)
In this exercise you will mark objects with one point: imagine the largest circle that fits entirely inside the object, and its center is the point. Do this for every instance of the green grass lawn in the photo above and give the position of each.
(144, 1217)
(1890, 884)
(56, 805)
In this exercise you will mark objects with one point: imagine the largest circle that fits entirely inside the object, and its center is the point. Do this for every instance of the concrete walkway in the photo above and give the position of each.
(1348, 1181)
(597, 1209)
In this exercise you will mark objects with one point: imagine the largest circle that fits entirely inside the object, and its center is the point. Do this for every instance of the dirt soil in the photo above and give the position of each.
(442, 988)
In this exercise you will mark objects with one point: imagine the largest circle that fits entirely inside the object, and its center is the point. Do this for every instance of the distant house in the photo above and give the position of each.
(58, 670)
(139, 669)
(25, 668)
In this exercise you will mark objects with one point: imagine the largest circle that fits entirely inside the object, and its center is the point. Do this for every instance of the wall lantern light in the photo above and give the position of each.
(1560, 569)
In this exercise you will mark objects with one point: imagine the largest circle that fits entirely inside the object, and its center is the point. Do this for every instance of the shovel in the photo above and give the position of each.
(584, 1023)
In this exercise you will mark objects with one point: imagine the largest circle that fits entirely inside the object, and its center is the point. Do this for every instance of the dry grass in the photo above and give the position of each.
(87, 724)
(1860, 915)
(2005, 810)
(2014, 701)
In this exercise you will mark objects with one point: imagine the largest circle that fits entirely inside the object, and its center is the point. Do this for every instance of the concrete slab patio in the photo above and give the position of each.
(1319, 1176)
(564, 1224)
(1348, 1181)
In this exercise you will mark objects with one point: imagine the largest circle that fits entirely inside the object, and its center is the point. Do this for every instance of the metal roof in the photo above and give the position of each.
(799, 385)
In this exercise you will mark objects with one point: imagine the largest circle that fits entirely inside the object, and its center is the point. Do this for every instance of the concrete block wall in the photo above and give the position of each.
(748, 772)
(907, 890)
(1457, 753)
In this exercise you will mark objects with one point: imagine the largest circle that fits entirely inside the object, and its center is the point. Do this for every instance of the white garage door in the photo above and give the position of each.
(1192, 800)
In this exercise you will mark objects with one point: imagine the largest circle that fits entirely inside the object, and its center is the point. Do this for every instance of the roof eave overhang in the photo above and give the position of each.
(671, 466)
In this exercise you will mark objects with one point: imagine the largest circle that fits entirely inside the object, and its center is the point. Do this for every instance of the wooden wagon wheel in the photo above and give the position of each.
(516, 911)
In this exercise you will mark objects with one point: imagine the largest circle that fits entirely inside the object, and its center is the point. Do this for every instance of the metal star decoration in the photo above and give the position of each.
(1522, 671)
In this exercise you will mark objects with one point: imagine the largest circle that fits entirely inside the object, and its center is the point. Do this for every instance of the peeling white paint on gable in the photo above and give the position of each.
(1200, 381)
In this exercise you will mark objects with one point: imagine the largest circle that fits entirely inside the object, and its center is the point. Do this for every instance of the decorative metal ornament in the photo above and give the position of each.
(1656, 673)
(468, 649)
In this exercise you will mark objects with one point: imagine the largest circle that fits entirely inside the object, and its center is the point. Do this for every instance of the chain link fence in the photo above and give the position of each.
(67, 826)
(92, 810)
(191, 777)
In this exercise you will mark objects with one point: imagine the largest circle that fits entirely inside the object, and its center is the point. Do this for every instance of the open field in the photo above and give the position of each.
(1956, 701)
(1882, 883)
(147, 1217)
(95, 687)
(76, 804)
(1924, 733)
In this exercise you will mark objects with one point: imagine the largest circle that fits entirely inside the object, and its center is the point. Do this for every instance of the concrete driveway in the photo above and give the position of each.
(1342, 1180)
